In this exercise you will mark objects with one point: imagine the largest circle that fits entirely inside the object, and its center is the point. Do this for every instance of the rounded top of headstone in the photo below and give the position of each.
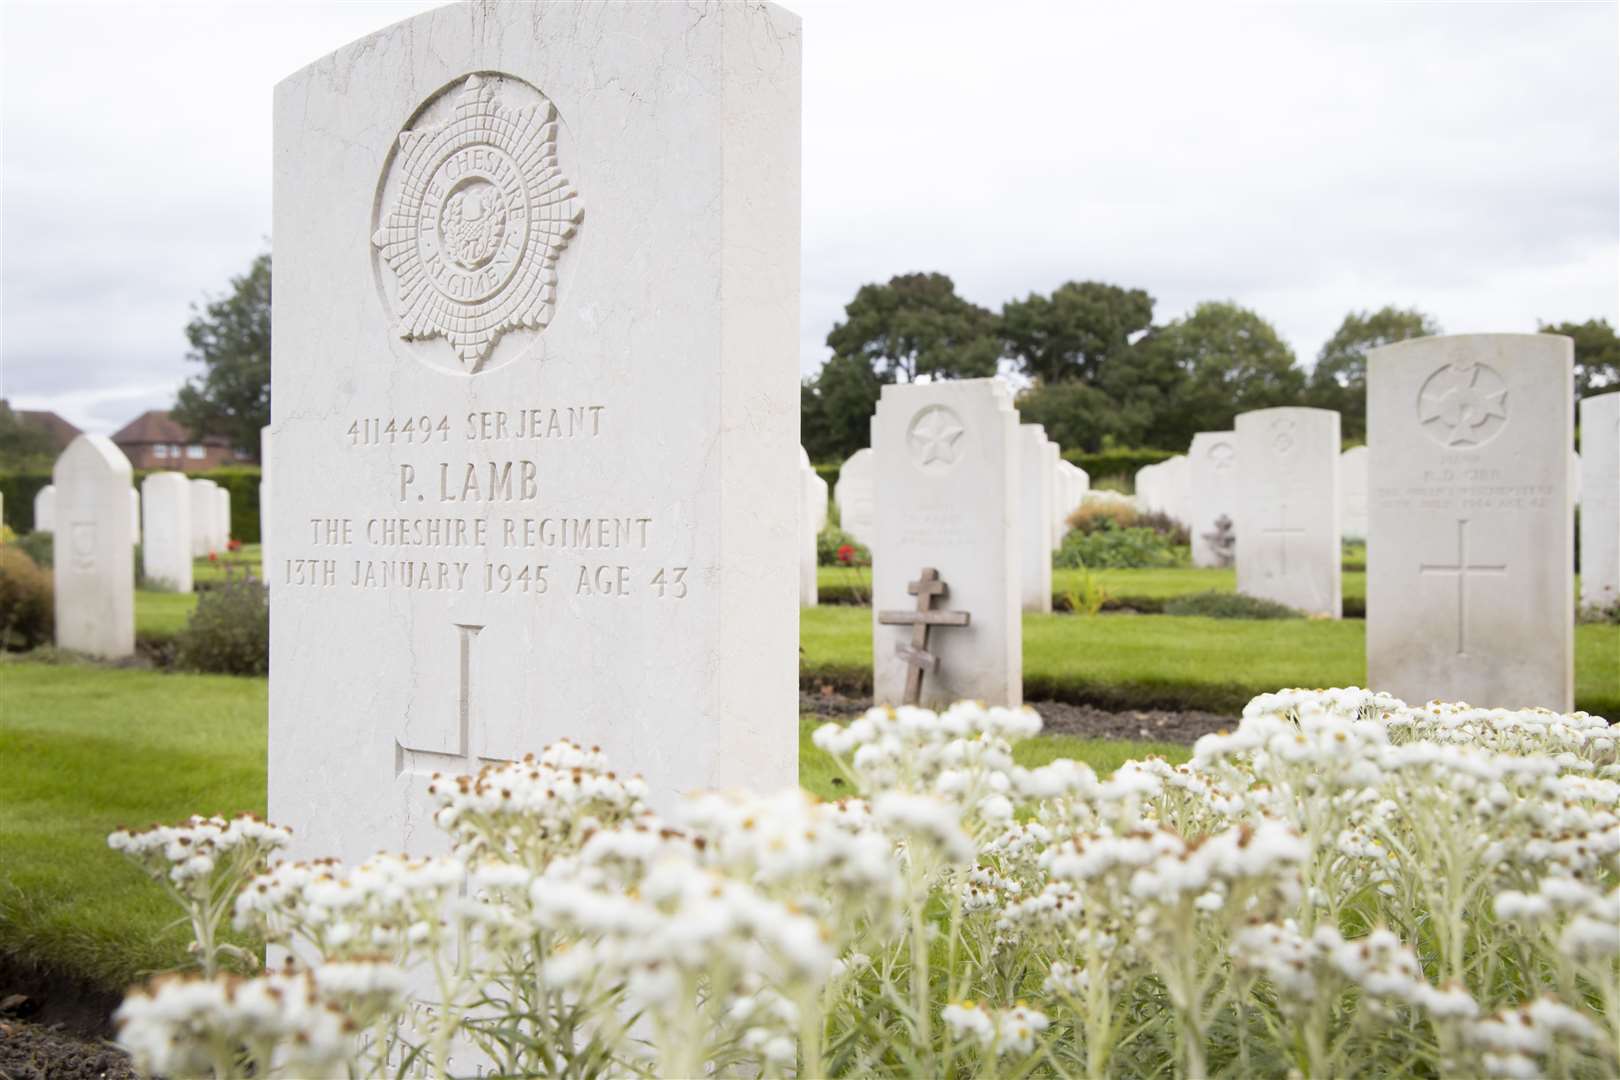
(96, 452)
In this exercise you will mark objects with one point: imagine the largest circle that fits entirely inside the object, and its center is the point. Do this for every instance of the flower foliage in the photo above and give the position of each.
(1342, 885)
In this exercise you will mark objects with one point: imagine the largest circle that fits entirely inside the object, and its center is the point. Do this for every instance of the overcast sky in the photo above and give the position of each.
(1301, 159)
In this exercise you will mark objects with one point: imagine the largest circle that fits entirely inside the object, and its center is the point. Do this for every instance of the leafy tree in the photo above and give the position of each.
(1597, 355)
(1082, 417)
(1197, 373)
(230, 337)
(23, 444)
(1339, 380)
(1074, 332)
(917, 325)
(836, 407)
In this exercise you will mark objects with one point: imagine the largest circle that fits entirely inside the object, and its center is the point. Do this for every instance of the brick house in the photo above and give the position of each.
(153, 440)
(60, 431)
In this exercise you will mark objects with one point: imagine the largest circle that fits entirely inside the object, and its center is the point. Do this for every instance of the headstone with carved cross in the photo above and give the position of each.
(1470, 590)
(1287, 519)
(924, 617)
(535, 400)
(948, 496)
(94, 549)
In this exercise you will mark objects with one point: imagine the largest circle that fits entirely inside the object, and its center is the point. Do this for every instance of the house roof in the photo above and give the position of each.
(157, 426)
(60, 430)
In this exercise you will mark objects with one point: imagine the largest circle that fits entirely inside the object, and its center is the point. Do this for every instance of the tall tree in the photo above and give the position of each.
(836, 407)
(230, 337)
(917, 325)
(1080, 416)
(1197, 373)
(1597, 355)
(1339, 380)
(1071, 334)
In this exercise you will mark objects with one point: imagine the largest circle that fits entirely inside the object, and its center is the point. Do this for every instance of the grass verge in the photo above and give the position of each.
(90, 748)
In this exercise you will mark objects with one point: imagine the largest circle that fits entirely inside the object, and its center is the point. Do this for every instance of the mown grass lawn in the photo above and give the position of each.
(1167, 661)
(89, 748)
(209, 571)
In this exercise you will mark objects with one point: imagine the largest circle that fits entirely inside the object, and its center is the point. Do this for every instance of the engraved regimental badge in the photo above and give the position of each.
(471, 218)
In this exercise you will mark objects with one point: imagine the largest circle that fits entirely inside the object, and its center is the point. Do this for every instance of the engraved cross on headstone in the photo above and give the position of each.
(463, 761)
(916, 654)
(1461, 569)
(1283, 532)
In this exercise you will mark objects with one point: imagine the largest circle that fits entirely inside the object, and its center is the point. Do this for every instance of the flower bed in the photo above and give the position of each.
(1342, 885)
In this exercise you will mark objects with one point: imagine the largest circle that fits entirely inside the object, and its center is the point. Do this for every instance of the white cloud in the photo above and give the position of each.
(1303, 159)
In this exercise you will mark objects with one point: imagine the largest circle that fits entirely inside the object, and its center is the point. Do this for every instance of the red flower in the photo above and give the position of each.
(846, 553)
(213, 556)
(233, 545)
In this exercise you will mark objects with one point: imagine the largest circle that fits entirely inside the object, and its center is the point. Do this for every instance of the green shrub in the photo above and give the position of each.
(1114, 547)
(229, 632)
(1118, 462)
(40, 547)
(1222, 605)
(833, 540)
(27, 601)
(18, 488)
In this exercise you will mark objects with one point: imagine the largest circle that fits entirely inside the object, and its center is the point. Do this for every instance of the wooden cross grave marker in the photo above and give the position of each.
(916, 654)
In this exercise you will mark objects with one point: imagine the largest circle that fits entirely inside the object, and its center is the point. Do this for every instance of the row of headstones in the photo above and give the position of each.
(95, 518)
(1050, 490)
(1469, 595)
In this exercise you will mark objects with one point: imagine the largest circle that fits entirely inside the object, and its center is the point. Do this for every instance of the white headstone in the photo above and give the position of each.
(45, 509)
(166, 552)
(1470, 595)
(1575, 470)
(1148, 486)
(534, 478)
(94, 549)
(1289, 543)
(1212, 491)
(1035, 480)
(204, 517)
(1176, 496)
(1054, 498)
(947, 497)
(1600, 512)
(135, 514)
(264, 506)
(222, 517)
(1353, 492)
(853, 494)
(809, 593)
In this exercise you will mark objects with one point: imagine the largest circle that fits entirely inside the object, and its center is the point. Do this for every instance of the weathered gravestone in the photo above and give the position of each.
(94, 549)
(166, 550)
(1287, 524)
(1353, 493)
(1600, 510)
(1469, 584)
(535, 406)
(947, 496)
(853, 493)
(204, 517)
(1036, 479)
(45, 509)
(811, 487)
(1212, 493)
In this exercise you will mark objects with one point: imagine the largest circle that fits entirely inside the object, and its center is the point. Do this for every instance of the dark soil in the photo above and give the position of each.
(1060, 718)
(52, 1028)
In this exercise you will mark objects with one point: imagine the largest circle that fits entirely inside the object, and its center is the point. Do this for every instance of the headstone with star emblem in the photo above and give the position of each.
(1600, 512)
(1212, 491)
(1037, 477)
(1470, 595)
(948, 497)
(535, 407)
(1287, 519)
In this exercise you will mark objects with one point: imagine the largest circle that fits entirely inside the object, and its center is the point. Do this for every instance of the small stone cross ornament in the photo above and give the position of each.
(916, 654)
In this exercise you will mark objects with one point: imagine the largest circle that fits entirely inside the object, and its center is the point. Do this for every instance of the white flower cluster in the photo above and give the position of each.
(1342, 884)
(192, 1026)
(188, 854)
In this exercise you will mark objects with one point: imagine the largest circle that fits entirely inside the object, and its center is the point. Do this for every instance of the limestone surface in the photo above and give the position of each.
(94, 545)
(166, 548)
(1600, 510)
(1289, 540)
(1212, 491)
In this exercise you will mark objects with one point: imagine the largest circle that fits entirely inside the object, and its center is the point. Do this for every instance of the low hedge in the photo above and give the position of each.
(1121, 462)
(242, 481)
